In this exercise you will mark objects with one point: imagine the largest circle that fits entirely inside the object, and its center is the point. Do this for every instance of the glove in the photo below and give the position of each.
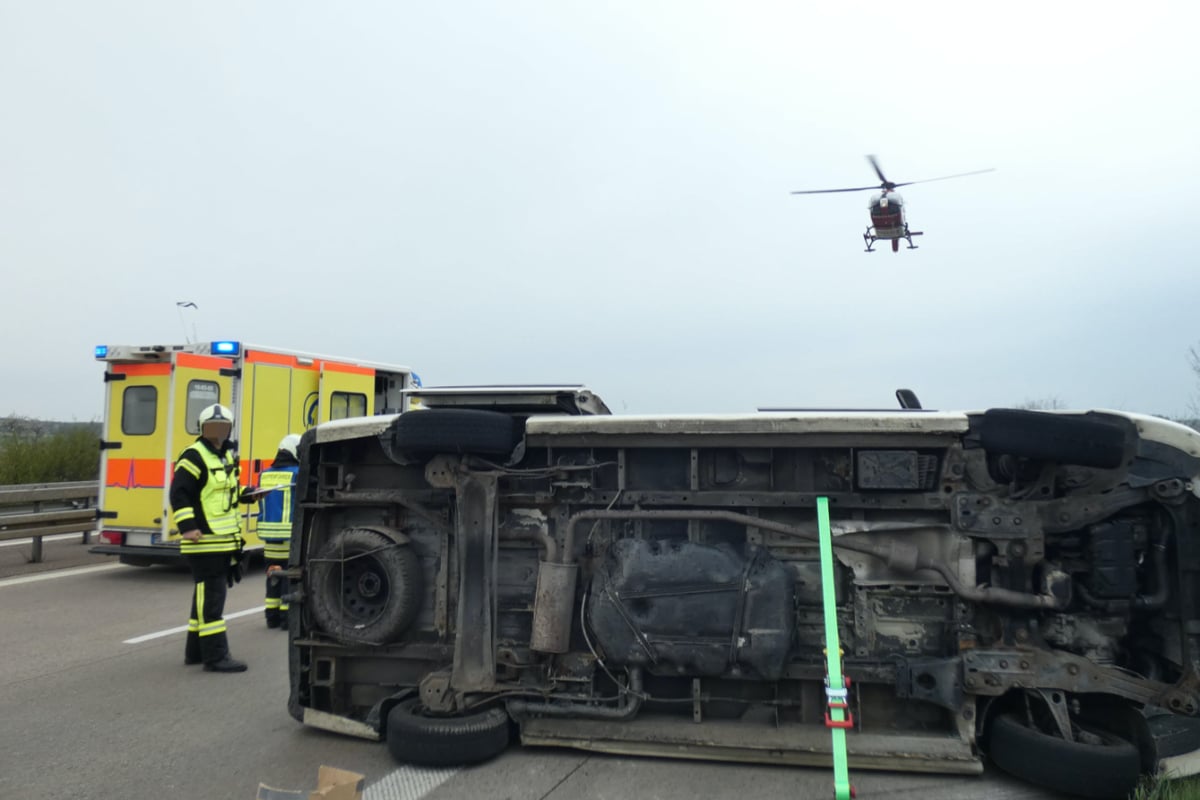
(234, 573)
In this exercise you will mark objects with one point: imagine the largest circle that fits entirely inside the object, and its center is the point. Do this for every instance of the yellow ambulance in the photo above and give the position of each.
(153, 395)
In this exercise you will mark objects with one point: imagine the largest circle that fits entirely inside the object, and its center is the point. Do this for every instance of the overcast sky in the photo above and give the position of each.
(599, 193)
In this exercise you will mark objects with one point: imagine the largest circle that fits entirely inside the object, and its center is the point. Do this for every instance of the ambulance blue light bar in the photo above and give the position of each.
(226, 348)
(101, 351)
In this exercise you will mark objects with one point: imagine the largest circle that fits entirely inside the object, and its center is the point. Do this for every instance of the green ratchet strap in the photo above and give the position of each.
(837, 714)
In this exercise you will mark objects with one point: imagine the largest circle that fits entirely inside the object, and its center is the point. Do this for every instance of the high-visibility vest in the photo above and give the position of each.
(218, 501)
(275, 515)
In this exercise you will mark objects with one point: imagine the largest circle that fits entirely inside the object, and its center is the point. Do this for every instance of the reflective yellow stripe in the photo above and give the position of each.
(208, 544)
(193, 625)
(283, 606)
(225, 525)
(213, 628)
(199, 604)
(190, 467)
(272, 603)
(275, 551)
(183, 514)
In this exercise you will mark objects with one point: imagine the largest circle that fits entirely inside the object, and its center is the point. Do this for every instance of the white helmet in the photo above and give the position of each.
(291, 444)
(215, 413)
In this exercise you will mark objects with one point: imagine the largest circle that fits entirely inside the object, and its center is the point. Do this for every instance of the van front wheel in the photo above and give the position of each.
(1108, 769)
(416, 737)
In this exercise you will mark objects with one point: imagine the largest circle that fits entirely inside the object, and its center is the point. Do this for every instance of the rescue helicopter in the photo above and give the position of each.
(887, 208)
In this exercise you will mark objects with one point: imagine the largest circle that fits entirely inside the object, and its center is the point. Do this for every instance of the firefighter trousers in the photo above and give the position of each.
(277, 607)
(206, 640)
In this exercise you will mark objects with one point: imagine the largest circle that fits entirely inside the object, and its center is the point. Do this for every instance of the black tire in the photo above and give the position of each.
(1086, 441)
(415, 738)
(456, 430)
(1109, 770)
(364, 588)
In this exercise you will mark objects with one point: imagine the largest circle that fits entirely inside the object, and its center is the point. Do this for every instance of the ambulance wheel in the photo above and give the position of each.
(1110, 769)
(416, 737)
(456, 430)
(364, 588)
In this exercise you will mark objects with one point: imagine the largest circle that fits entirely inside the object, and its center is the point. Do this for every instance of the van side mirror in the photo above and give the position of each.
(907, 398)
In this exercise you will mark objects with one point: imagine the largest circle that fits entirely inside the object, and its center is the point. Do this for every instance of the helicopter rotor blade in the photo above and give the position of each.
(948, 177)
(830, 191)
(878, 171)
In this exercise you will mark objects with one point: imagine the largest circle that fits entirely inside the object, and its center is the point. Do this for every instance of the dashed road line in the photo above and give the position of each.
(408, 783)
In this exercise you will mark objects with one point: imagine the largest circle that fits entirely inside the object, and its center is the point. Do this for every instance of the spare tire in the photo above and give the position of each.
(1081, 440)
(414, 737)
(456, 430)
(364, 588)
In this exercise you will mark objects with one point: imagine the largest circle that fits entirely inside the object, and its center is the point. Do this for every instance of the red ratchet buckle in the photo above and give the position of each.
(838, 699)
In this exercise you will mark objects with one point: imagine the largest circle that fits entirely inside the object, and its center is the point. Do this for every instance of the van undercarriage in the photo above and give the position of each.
(1010, 584)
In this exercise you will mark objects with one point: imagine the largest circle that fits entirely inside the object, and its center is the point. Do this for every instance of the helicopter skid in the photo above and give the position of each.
(889, 235)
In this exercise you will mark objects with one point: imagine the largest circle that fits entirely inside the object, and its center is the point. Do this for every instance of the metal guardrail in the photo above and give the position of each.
(34, 510)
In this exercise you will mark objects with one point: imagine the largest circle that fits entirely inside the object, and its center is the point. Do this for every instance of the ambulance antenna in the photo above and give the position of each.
(181, 305)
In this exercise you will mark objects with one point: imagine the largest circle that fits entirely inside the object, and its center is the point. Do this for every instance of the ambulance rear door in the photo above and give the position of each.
(134, 466)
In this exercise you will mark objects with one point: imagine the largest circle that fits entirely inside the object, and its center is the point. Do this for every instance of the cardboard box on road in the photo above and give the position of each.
(332, 784)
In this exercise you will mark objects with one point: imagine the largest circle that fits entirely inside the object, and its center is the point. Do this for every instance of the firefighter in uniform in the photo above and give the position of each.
(204, 495)
(275, 524)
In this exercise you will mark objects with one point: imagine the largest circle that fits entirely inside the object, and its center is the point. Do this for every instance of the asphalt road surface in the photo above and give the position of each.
(95, 703)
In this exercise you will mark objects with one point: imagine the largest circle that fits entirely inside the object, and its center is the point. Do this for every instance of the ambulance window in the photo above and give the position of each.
(347, 404)
(139, 407)
(200, 395)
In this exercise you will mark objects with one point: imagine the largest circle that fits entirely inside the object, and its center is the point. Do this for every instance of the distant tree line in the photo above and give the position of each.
(38, 451)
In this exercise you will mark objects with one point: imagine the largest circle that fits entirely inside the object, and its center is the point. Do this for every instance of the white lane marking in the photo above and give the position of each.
(58, 537)
(183, 628)
(408, 783)
(60, 573)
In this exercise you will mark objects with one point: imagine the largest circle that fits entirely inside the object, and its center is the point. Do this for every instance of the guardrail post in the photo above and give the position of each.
(37, 540)
(87, 534)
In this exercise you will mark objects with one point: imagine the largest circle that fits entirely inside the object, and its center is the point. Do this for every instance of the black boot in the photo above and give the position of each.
(216, 655)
